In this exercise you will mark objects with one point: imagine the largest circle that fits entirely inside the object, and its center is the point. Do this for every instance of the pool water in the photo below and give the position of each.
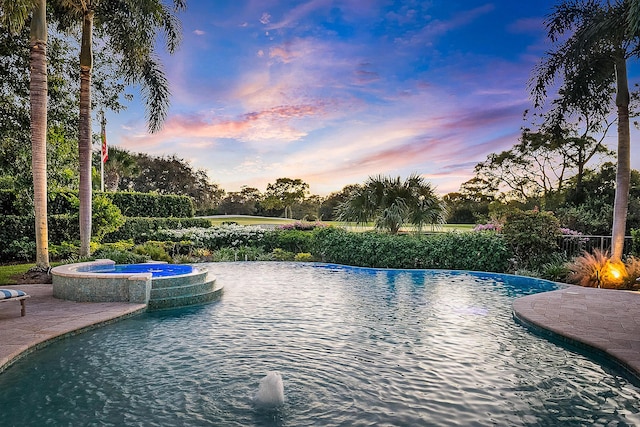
(156, 269)
(355, 347)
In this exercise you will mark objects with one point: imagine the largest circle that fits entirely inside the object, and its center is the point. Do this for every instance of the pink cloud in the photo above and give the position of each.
(283, 53)
(271, 123)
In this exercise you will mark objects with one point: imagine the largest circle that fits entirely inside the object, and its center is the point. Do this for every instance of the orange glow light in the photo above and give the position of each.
(615, 272)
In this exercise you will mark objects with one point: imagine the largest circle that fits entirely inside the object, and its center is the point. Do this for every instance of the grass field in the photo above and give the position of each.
(263, 220)
(9, 273)
(247, 220)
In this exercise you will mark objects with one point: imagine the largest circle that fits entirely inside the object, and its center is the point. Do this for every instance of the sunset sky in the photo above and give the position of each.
(333, 91)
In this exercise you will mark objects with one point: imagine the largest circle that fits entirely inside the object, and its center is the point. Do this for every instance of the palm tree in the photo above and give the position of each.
(14, 14)
(391, 203)
(121, 165)
(129, 28)
(593, 46)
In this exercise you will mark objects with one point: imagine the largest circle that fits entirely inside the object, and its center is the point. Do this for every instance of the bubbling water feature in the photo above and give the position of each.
(271, 391)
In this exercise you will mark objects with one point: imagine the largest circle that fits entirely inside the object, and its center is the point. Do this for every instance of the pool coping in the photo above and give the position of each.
(50, 319)
(603, 323)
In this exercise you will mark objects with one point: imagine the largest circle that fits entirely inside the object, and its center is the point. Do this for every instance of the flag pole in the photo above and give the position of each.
(103, 149)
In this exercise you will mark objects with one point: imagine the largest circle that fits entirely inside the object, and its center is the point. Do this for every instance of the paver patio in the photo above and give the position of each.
(603, 321)
(48, 319)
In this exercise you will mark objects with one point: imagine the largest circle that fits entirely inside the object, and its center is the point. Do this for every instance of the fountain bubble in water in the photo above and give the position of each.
(271, 390)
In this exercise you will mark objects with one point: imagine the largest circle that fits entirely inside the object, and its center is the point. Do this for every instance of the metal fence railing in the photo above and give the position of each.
(575, 245)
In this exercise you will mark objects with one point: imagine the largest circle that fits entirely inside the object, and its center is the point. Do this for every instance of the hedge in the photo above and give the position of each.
(7, 199)
(150, 205)
(296, 241)
(143, 229)
(477, 251)
(17, 233)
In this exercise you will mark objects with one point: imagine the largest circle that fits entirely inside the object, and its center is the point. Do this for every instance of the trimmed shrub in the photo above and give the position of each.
(291, 240)
(16, 228)
(63, 228)
(157, 251)
(17, 235)
(152, 205)
(532, 236)
(304, 257)
(282, 255)
(21, 249)
(63, 202)
(458, 251)
(106, 217)
(149, 205)
(120, 257)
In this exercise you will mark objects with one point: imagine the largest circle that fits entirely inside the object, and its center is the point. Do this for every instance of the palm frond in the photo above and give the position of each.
(155, 91)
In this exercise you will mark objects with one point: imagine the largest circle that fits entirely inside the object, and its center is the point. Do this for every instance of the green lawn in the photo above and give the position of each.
(8, 273)
(247, 220)
(261, 220)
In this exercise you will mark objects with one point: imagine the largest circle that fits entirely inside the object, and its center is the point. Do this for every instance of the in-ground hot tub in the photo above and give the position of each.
(159, 285)
(156, 269)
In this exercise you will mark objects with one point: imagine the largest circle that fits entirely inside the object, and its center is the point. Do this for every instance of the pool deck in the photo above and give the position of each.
(604, 322)
(49, 319)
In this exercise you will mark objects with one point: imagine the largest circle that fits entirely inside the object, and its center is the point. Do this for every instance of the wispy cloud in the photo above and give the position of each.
(297, 14)
(271, 124)
(332, 91)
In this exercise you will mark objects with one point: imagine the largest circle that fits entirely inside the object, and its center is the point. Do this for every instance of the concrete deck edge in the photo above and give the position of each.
(32, 347)
(581, 345)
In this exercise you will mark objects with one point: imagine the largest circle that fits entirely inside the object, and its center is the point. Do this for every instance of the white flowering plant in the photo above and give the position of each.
(233, 236)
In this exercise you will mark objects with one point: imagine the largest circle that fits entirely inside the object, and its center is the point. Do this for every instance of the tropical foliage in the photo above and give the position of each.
(392, 203)
(593, 42)
(132, 41)
(532, 235)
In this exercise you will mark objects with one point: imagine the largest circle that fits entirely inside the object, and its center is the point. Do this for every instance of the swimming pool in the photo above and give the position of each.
(354, 347)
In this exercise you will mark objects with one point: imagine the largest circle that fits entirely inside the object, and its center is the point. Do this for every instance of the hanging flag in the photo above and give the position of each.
(105, 154)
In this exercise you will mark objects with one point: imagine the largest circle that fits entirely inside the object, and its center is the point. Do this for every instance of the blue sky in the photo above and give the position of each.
(333, 91)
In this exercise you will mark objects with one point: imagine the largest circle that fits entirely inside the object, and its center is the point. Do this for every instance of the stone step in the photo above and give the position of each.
(198, 276)
(182, 290)
(185, 300)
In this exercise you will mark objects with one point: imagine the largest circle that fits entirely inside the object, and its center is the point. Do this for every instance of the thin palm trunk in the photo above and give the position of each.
(84, 139)
(38, 100)
(623, 172)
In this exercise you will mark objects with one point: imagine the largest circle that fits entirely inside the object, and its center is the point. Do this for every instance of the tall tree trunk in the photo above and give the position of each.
(38, 101)
(84, 138)
(623, 172)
